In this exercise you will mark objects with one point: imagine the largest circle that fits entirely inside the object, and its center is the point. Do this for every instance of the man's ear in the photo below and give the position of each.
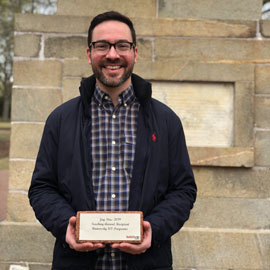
(136, 54)
(88, 51)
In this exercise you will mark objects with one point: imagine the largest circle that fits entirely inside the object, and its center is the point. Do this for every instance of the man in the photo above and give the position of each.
(114, 148)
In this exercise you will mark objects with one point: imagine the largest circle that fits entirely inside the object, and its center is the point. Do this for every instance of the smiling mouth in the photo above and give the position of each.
(113, 67)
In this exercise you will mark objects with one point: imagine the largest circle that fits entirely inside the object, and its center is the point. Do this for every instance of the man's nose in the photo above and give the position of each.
(112, 53)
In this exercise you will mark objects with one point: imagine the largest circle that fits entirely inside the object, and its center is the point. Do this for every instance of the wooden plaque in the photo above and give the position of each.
(109, 227)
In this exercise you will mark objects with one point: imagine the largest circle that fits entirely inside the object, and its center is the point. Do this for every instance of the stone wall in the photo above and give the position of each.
(207, 49)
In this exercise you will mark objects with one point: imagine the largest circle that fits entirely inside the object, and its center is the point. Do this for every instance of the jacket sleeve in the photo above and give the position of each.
(50, 207)
(173, 207)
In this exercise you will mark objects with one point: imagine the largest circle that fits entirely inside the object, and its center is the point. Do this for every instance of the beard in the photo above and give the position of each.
(110, 81)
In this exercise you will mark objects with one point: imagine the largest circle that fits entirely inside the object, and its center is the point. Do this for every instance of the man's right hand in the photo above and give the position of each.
(71, 240)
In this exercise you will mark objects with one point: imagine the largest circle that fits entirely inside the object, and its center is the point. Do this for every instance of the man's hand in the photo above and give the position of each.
(137, 248)
(71, 241)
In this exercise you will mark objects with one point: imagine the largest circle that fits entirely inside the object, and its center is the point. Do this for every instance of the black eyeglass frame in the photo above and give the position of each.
(131, 44)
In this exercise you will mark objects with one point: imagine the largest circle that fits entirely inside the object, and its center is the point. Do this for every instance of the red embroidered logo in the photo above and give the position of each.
(154, 138)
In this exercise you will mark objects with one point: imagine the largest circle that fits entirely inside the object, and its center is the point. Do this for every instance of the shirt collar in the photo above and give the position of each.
(125, 98)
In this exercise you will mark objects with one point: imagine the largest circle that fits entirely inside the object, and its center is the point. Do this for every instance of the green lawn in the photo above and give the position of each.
(4, 164)
(4, 144)
(4, 134)
(4, 125)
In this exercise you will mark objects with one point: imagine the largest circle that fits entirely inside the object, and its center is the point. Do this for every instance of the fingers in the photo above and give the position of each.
(86, 247)
(71, 239)
(146, 226)
(72, 222)
(137, 248)
(130, 248)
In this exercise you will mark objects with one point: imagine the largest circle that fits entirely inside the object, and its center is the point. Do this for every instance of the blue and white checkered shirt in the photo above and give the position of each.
(113, 141)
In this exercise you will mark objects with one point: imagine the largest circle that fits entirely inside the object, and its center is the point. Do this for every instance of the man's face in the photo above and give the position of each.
(112, 70)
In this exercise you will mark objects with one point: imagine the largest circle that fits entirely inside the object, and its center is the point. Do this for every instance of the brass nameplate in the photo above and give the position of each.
(109, 227)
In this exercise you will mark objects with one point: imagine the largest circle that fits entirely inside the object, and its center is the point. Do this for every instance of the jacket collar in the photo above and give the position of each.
(142, 90)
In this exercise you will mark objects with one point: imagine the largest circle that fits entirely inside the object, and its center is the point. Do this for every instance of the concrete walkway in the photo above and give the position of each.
(3, 194)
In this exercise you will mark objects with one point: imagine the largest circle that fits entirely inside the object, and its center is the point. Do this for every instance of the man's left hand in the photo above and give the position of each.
(137, 248)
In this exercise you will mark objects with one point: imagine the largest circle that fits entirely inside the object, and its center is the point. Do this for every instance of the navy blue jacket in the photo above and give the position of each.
(162, 185)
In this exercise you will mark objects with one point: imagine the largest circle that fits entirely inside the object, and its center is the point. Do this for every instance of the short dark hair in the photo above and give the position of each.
(110, 16)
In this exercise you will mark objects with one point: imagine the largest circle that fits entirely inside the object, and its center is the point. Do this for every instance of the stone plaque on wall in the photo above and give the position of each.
(205, 109)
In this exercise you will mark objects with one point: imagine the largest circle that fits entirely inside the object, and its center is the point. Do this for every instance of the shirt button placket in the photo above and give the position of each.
(114, 166)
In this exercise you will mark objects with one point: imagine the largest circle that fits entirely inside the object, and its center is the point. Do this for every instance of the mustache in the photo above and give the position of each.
(114, 61)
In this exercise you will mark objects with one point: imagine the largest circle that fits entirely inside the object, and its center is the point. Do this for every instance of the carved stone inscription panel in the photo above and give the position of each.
(205, 109)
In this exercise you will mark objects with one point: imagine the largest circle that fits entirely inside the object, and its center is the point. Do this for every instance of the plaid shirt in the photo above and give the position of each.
(113, 141)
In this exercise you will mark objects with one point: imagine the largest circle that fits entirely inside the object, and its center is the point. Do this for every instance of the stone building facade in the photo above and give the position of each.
(210, 61)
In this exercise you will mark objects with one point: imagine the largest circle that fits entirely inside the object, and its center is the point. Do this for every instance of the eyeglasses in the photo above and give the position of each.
(103, 47)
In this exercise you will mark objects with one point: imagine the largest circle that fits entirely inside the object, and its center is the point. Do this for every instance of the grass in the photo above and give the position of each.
(5, 125)
(4, 145)
(4, 164)
(4, 134)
